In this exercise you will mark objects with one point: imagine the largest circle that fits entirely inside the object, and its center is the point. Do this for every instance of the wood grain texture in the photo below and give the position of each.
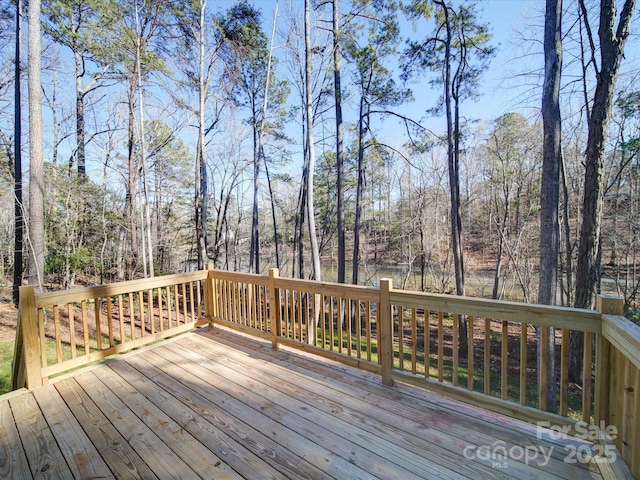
(217, 404)
(83, 459)
(40, 447)
(13, 461)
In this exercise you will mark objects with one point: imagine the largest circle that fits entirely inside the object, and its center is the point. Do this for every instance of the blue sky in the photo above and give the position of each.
(514, 79)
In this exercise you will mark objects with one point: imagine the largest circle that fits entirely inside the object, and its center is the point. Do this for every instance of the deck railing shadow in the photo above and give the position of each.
(404, 336)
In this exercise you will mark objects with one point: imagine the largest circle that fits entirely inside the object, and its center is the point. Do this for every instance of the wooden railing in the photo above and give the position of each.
(403, 336)
(59, 331)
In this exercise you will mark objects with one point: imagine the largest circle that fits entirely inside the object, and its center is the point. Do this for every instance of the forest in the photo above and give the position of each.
(334, 140)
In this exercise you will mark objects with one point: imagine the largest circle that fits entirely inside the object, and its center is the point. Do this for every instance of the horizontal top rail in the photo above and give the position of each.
(240, 277)
(623, 335)
(87, 293)
(331, 289)
(559, 317)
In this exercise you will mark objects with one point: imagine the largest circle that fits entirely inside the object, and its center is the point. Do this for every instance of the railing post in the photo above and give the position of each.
(606, 305)
(210, 300)
(385, 324)
(275, 312)
(28, 370)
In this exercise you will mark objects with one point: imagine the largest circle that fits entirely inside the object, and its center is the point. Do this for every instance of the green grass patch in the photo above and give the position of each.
(6, 356)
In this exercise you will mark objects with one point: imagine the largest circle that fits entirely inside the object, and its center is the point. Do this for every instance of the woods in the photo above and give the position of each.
(322, 137)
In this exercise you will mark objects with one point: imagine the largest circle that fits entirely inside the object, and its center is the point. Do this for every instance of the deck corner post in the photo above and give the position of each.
(386, 330)
(606, 305)
(30, 372)
(275, 311)
(610, 305)
(210, 294)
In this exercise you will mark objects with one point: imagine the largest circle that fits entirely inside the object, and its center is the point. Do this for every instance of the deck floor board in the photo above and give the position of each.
(13, 461)
(292, 416)
(82, 457)
(216, 404)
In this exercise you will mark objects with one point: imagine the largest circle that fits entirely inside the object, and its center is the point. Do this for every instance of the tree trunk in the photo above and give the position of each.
(550, 191)
(146, 216)
(612, 41)
(36, 153)
(567, 234)
(272, 197)
(130, 197)
(452, 156)
(451, 96)
(552, 155)
(339, 146)
(254, 259)
(298, 232)
(80, 136)
(313, 240)
(359, 189)
(502, 236)
(261, 136)
(201, 166)
(17, 163)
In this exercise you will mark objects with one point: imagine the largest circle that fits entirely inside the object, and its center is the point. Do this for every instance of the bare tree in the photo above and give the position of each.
(201, 194)
(79, 25)
(36, 152)
(337, 89)
(313, 240)
(550, 192)
(17, 159)
(612, 40)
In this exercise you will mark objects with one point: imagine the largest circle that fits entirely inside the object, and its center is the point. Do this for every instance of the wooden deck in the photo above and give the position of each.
(214, 404)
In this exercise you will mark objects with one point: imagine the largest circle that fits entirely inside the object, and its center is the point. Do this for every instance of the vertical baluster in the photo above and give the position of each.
(72, 329)
(414, 341)
(132, 317)
(323, 321)
(191, 303)
(331, 323)
(185, 311)
(455, 345)
(288, 328)
(161, 306)
(523, 363)
(85, 326)
(56, 321)
(427, 343)
(587, 382)
(199, 309)
(542, 372)
(368, 325)
(349, 318)
(112, 341)
(440, 347)
(487, 356)
(123, 334)
(504, 382)
(564, 373)
(309, 313)
(43, 338)
(340, 305)
(300, 314)
(97, 311)
(169, 309)
(470, 352)
(143, 321)
(359, 327)
(401, 338)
